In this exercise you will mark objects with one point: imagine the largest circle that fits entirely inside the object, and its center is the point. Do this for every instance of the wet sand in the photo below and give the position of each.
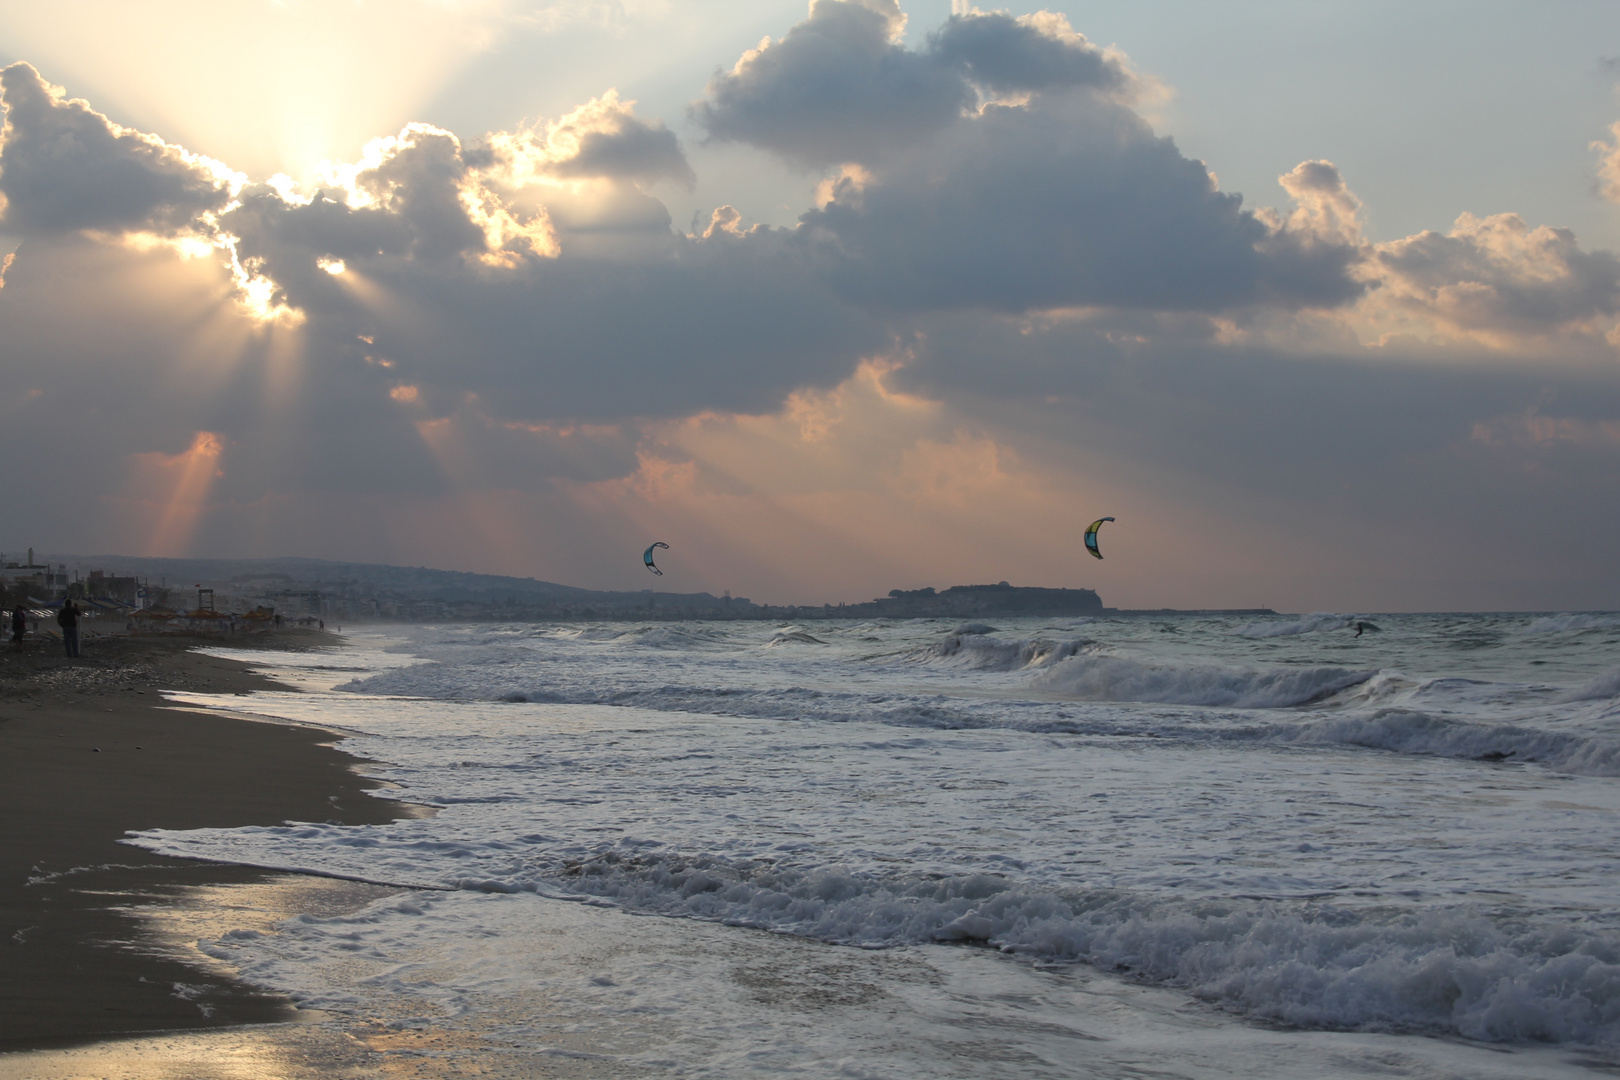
(88, 752)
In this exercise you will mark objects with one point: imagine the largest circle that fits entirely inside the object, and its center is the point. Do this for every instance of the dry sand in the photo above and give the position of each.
(88, 752)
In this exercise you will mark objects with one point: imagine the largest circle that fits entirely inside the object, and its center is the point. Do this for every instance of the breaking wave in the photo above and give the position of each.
(1556, 624)
(787, 637)
(1451, 970)
(974, 650)
(1103, 677)
(1408, 731)
(1602, 685)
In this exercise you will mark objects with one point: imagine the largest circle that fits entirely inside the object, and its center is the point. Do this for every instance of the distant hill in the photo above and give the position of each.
(356, 591)
(416, 582)
(298, 586)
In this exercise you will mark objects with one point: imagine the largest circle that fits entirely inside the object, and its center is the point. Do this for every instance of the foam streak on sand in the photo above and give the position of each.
(1397, 833)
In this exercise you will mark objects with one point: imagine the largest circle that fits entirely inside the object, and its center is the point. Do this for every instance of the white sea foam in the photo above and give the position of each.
(1557, 624)
(1316, 622)
(1451, 969)
(1605, 684)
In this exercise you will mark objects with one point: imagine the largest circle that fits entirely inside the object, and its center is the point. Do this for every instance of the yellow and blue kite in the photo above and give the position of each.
(1091, 536)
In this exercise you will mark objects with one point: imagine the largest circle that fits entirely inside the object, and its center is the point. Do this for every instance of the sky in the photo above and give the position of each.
(1318, 301)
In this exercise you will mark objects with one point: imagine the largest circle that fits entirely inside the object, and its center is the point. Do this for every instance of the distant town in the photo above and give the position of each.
(154, 591)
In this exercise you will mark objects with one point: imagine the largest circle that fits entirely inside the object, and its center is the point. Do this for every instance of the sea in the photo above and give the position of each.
(1129, 846)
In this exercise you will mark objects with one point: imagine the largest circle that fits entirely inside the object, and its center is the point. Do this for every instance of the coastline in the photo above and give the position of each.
(89, 751)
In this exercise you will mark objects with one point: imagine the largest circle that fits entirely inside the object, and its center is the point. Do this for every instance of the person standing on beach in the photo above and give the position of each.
(19, 624)
(68, 620)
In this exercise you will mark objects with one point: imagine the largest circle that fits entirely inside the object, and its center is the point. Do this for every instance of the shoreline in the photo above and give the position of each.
(90, 750)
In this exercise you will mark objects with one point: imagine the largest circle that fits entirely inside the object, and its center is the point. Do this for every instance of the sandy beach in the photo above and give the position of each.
(87, 752)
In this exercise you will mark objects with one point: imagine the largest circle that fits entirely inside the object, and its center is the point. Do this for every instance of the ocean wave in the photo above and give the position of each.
(677, 637)
(1453, 970)
(788, 637)
(1105, 677)
(493, 682)
(1408, 731)
(977, 651)
(1557, 624)
(593, 633)
(1605, 684)
(1310, 624)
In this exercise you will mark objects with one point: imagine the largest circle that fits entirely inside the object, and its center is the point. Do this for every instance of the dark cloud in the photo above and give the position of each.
(627, 148)
(65, 167)
(602, 139)
(1069, 201)
(837, 88)
(719, 323)
(1063, 198)
(841, 88)
(731, 320)
(420, 185)
(1006, 54)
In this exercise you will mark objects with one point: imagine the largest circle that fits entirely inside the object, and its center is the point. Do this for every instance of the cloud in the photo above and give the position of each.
(1002, 166)
(601, 139)
(1609, 164)
(1068, 201)
(450, 260)
(1497, 275)
(65, 167)
(720, 322)
(1325, 209)
(1540, 434)
(1003, 54)
(841, 87)
(1012, 301)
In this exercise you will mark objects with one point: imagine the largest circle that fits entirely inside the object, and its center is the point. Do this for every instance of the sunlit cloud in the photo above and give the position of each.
(1608, 170)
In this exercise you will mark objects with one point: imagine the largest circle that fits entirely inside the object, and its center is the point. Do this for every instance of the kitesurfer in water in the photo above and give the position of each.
(1360, 626)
